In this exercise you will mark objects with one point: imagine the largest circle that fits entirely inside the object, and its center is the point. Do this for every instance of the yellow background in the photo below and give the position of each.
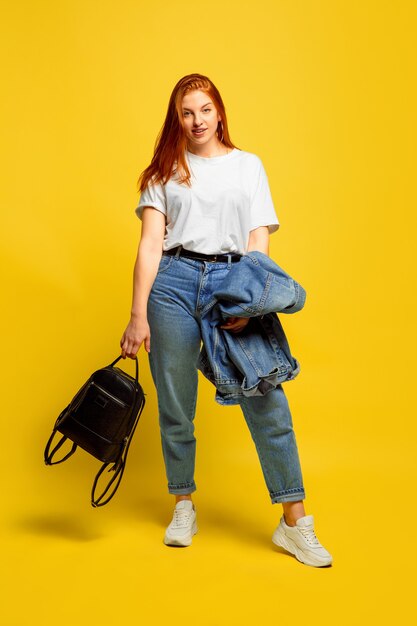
(324, 93)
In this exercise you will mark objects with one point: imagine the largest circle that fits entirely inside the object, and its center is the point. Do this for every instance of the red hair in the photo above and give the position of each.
(171, 141)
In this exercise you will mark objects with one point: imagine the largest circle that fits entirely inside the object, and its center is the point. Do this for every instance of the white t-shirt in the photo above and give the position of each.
(229, 197)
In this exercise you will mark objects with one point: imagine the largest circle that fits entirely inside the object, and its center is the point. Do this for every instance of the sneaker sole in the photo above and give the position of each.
(185, 540)
(280, 539)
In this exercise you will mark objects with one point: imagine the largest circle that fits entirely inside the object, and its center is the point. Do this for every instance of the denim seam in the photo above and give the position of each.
(165, 267)
(181, 485)
(265, 293)
(278, 497)
(248, 354)
(216, 370)
(284, 492)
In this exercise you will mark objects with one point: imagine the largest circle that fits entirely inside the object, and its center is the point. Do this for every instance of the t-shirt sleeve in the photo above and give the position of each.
(262, 210)
(153, 195)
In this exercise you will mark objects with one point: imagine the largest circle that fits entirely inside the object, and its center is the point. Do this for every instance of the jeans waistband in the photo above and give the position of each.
(199, 256)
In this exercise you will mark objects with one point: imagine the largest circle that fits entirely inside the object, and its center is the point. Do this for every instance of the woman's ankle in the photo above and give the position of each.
(293, 511)
(186, 496)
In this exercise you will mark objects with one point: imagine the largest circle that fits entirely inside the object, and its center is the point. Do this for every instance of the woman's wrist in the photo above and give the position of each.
(138, 316)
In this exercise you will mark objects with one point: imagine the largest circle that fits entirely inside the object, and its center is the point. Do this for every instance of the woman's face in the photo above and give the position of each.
(199, 112)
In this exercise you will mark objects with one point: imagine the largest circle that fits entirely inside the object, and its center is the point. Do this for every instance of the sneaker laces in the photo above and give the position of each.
(309, 535)
(181, 518)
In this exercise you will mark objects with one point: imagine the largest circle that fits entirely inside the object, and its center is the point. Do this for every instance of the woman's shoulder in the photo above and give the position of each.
(251, 159)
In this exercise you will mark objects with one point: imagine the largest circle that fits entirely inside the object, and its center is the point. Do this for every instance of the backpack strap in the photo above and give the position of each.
(118, 466)
(137, 366)
(49, 455)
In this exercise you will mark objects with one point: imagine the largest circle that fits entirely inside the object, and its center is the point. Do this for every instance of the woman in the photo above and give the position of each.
(204, 203)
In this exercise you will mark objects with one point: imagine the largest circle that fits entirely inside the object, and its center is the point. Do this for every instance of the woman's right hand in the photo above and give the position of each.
(137, 331)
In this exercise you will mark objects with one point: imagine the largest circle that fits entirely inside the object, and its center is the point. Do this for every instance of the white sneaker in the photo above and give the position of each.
(301, 541)
(183, 525)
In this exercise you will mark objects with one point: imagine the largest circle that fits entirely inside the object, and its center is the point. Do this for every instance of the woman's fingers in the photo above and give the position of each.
(133, 349)
(235, 324)
(231, 321)
(134, 335)
(129, 348)
(123, 345)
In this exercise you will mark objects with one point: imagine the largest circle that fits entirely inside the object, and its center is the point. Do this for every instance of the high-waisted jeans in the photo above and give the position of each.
(182, 288)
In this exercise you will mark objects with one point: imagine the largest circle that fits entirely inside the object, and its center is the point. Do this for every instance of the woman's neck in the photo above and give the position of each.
(208, 151)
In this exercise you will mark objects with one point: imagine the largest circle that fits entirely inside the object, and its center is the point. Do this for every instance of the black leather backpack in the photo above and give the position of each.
(101, 419)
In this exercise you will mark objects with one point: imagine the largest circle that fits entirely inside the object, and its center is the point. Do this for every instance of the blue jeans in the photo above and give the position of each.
(182, 288)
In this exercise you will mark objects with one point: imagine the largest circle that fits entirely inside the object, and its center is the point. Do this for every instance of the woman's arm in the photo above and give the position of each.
(146, 267)
(259, 240)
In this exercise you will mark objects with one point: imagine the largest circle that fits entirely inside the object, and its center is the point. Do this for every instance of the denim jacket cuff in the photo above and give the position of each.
(300, 298)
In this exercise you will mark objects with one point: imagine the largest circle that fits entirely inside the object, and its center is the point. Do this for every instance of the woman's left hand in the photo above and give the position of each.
(235, 324)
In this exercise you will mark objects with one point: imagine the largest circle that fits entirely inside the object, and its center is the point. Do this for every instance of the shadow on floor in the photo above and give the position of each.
(211, 519)
(61, 526)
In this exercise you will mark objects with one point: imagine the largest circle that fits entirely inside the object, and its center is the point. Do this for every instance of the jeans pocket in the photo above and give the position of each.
(164, 263)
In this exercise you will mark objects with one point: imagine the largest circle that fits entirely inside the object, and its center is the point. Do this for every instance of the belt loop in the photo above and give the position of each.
(178, 252)
(229, 261)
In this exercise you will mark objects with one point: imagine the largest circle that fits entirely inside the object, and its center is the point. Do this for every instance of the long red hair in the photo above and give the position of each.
(171, 141)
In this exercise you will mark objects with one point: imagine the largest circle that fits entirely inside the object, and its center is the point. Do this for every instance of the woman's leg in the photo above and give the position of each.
(175, 345)
(270, 423)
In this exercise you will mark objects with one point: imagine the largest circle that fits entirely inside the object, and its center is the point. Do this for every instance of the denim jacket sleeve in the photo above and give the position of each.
(256, 286)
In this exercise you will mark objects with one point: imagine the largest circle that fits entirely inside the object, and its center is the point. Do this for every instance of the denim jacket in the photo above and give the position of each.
(257, 359)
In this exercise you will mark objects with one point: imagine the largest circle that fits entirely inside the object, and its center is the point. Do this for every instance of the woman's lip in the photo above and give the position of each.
(201, 132)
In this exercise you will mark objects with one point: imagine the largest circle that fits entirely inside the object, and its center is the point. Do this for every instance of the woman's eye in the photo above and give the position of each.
(187, 112)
